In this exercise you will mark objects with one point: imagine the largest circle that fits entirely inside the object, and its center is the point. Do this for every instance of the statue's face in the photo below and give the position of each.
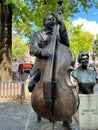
(49, 21)
(84, 60)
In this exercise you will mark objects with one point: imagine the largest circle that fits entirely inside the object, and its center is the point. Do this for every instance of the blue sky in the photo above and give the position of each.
(91, 16)
(89, 21)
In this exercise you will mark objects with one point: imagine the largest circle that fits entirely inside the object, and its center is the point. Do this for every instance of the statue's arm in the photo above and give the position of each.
(62, 31)
(35, 49)
(64, 35)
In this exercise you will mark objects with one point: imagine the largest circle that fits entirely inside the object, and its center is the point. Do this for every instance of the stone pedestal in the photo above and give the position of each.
(87, 114)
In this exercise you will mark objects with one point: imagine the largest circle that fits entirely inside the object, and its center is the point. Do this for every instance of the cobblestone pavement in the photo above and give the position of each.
(13, 116)
(32, 124)
(22, 117)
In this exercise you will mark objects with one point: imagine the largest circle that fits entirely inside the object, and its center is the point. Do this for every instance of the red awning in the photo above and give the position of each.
(26, 66)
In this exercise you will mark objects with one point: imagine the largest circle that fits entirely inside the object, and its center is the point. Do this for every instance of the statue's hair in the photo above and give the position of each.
(82, 54)
(46, 16)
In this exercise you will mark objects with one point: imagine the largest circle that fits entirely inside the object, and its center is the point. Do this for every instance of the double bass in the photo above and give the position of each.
(54, 97)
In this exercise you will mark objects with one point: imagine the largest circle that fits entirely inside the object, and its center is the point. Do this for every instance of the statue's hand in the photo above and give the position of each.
(44, 54)
(59, 19)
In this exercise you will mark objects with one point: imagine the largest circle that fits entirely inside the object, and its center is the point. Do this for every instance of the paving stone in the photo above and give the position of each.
(32, 124)
(22, 117)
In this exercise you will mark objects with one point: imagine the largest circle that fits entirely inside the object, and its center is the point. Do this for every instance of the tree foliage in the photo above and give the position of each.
(19, 47)
(80, 40)
(95, 46)
(28, 14)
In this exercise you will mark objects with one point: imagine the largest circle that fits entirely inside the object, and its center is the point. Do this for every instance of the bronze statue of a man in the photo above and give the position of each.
(41, 39)
(85, 76)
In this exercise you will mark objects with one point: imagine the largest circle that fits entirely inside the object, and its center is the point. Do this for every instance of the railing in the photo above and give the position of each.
(10, 89)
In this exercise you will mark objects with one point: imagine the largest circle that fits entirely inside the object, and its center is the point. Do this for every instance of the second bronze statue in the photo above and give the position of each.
(84, 75)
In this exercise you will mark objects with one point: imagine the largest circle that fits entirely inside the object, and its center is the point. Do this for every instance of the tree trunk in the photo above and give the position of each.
(5, 42)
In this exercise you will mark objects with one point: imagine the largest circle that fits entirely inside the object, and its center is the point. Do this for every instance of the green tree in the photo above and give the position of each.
(19, 47)
(27, 17)
(95, 46)
(28, 14)
(81, 41)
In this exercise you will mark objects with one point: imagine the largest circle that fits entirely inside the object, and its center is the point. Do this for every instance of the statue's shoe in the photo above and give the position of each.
(68, 125)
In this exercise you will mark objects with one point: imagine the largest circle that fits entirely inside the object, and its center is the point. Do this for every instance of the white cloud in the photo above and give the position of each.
(95, 13)
(90, 26)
